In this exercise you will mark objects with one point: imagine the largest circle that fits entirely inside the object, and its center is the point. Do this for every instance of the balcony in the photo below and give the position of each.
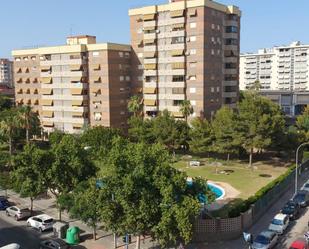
(180, 46)
(150, 48)
(171, 21)
(172, 84)
(229, 94)
(150, 36)
(62, 62)
(172, 96)
(149, 24)
(172, 72)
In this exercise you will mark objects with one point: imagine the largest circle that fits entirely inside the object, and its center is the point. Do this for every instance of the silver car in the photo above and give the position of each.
(18, 212)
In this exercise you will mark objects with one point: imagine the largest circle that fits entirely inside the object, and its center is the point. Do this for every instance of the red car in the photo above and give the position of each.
(299, 244)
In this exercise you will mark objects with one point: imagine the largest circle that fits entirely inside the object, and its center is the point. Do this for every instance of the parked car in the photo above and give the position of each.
(4, 204)
(279, 223)
(18, 212)
(265, 240)
(302, 198)
(292, 209)
(41, 222)
(299, 244)
(11, 246)
(305, 186)
(54, 244)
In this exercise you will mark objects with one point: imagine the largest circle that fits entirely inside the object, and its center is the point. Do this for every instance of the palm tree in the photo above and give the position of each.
(28, 118)
(186, 109)
(134, 105)
(9, 124)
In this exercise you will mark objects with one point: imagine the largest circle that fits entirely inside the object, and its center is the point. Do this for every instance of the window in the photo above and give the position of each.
(121, 54)
(219, 40)
(178, 78)
(192, 64)
(192, 38)
(192, 90)
(121, 78)
(127, 78)
(218, 52)
(127, 55)
(122, 89)
(97, 116)
(212, 52)
(231, 41)
(218, 89)
(193, 25)
(231, 29)
(177, 40)
(95, 54)
(213, 40)
(193, 102)
(17, 59)
(140, 55)
(212, 26)
(33, 58)
(192, 77)
(178, 90)
(212, 89)
(218, 27)
(193, 51)
(25, 58)
(122, 113)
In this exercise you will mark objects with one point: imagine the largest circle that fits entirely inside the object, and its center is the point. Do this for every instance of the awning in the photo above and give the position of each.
(20, 80)
(177, 114)
(27, 80)
(76, 79)
(45, 68)
(78, 114)
(28, 91)
(20, 101)
(77, 102)
(150, 66)
(150, 102)
(48, 124)
(20, 91)
(96, 67)
(178, 65)
(150, 90)
(47, 102)
(35, 91)
(149, 17)
(76, 91)
(95, 90)
(97, 80)
(178, 25)
(149, 28)
(137, 90)
(78, 126)
(75, 67)
(28, 101)
(150, 54)
(177, 13)
(149, 41)
(46, 91)
(46, 80)
(48, 114)
(192, 12)
(18, 70)
(36, 102)
(179, 52)
(35, 80)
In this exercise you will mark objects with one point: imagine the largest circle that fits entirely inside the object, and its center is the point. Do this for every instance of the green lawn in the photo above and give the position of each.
(244, 179)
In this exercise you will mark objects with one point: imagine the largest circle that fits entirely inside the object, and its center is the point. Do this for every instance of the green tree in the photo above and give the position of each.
(201, 136)
(70, 166)
(56, 136)
(5, 103)
(302, 122)
(186, 109)
(29, 120)
(9, 127)
(258, 122)
(85, 204)
(223, 127)
(142, 194)
(99, 140)
(29, 173)
(140, 130)
(134, 105)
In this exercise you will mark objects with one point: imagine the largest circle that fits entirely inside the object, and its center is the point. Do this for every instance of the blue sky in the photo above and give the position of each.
(26, 23)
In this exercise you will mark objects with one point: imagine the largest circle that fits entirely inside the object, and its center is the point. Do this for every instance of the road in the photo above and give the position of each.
(12, 231)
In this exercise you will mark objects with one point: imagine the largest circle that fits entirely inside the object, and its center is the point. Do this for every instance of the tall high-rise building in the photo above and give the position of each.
(6, 72)
(79, 84)
(185, 50)
(283, 68)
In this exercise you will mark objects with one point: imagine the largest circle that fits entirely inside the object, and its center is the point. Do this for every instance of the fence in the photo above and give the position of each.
(231, 228)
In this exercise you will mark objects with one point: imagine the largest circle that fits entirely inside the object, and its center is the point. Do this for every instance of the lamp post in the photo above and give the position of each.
(296, 169)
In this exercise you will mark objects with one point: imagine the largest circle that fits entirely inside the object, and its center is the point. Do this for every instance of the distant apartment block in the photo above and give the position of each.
(185, 50)
(284, 68)
(79, 84)
(6, 73)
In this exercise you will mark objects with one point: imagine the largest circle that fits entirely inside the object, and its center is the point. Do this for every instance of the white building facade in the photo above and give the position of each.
(284, 68)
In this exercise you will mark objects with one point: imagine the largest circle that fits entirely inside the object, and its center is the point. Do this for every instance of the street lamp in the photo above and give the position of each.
(296, 169)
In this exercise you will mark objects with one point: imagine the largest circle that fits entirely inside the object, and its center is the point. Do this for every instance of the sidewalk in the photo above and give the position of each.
(105, 240)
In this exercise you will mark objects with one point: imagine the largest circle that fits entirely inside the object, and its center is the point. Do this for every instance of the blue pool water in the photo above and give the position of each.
(216, 190)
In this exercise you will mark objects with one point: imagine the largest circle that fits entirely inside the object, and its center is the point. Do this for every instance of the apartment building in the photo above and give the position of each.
(75, 85)
(185, 50)
(283, 68)
(6, 73)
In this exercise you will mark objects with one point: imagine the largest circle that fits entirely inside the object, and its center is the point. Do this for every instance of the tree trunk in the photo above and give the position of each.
(115, 241)
(228, 157)
(138, 242)
(27, 135)
(59, 214)
(31, 205)
(94, 232)
(10, 145)
(250, 157)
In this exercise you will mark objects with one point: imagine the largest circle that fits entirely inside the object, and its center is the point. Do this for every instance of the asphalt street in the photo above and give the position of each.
(12, 231)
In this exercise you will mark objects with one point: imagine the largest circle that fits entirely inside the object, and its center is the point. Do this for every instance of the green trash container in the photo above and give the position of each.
(72, 237)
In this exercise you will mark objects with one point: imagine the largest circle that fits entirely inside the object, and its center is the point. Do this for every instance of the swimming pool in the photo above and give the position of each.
(217, 190)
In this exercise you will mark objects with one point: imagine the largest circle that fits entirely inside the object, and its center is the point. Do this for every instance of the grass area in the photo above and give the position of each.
(243, 179)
